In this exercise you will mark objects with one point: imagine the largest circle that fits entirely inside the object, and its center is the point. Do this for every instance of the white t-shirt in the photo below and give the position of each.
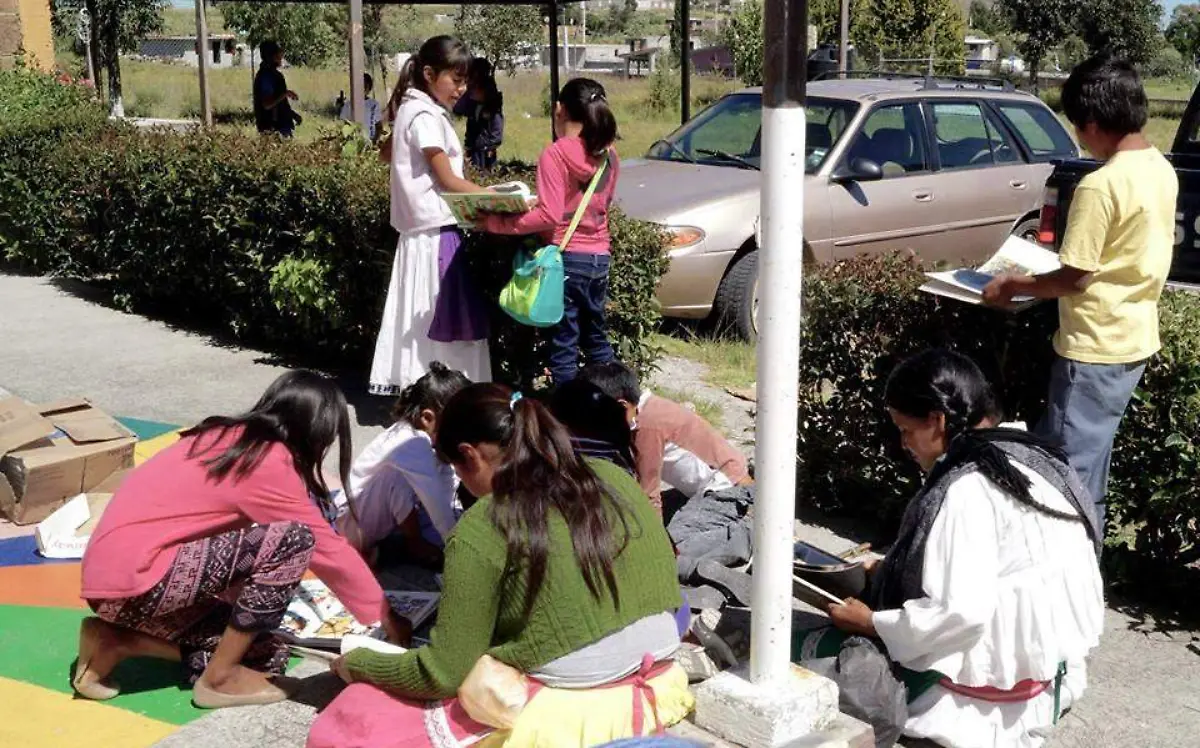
(421, 123)
(396, 471)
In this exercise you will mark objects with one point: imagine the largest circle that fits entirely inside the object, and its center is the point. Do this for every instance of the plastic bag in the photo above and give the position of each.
(494, 694)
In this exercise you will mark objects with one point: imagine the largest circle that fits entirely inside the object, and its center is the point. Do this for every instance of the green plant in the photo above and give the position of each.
(664, 92)
(277, 244)
(866, 315)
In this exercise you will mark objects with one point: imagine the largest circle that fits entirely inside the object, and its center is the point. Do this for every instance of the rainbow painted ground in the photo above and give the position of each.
(40, 611)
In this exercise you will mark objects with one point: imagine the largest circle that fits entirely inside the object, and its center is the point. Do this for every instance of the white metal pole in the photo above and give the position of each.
(358, 107)
(780, 268)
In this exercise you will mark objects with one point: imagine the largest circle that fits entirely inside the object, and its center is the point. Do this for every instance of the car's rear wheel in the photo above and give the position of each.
(735, 308)
(1028, 229)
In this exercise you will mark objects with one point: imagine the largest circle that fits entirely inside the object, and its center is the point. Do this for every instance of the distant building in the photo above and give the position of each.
(223, 50)
(713, 61)
(981, 53)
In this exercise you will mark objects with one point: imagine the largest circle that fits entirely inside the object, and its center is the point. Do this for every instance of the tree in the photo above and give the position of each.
(1127, 28)
(1183, 32)
(118, 25)
(985, 18)
(305, 31)
(744, 37)
(1044, 24)
(501, 33)
(911, 30)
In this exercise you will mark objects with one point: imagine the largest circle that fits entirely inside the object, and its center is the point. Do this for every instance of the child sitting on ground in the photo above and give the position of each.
(398, 482)
(671, 443)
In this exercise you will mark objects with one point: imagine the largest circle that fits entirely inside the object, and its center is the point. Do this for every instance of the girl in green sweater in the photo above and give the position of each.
(561, 573)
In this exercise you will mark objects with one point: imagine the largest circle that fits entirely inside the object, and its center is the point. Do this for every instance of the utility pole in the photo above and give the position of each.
(844, 59)
(202, 48)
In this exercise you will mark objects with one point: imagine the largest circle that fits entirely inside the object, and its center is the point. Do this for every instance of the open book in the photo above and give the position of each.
(316, 618)
(348, 644)
(510, 197)
(1016, 255)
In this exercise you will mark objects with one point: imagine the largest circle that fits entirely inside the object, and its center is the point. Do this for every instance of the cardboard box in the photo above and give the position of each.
(66, 532)
(51, 453)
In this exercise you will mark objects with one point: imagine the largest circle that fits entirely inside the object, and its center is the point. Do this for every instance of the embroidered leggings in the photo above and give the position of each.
(242, 578)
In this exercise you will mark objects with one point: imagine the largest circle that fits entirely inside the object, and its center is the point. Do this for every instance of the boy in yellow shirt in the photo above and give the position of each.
(1116, 255)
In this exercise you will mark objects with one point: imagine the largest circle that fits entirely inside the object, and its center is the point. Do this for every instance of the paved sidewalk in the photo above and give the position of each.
(1143, 692)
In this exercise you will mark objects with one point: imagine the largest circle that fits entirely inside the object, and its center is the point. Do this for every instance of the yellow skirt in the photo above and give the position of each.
(561, 717)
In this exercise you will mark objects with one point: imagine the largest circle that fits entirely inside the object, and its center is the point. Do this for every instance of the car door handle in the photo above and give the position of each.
(1017, 184)
(923, 196)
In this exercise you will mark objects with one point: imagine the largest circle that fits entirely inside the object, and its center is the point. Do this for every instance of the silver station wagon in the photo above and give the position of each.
(943, 168)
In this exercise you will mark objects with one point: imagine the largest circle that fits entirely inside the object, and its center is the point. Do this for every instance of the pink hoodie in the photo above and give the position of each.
(170, 501)
(564, 171)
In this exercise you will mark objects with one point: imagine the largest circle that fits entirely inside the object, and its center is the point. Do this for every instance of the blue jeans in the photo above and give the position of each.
(1085, 407)
(582, 326)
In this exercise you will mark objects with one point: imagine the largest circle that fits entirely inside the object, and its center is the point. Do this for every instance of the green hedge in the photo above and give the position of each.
(864, 316)
(281, 245)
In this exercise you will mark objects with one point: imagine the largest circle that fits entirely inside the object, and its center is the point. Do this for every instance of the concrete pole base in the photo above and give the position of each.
(768, 715)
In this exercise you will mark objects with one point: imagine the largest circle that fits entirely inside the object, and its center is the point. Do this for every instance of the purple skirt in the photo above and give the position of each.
(460, 313)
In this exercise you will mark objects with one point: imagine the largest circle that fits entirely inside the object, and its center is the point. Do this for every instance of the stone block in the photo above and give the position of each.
(768, 715)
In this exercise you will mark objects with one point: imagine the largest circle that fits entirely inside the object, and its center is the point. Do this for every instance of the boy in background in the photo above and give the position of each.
(1116, 255)
(373, 111)
(671, 444)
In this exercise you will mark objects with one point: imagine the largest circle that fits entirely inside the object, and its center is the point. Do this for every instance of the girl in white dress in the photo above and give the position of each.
(991, 596)
(432, 311)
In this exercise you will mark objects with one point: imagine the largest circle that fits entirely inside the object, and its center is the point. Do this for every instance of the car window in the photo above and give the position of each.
(1043, 134)
(963, 138)
(1003, 148)
(893, 137)
(729, 133)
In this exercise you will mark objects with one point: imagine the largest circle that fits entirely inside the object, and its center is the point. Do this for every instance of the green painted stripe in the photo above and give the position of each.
(146, 430)
(39, 646)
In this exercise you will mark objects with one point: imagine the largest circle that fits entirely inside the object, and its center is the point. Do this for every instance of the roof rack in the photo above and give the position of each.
(931, 82)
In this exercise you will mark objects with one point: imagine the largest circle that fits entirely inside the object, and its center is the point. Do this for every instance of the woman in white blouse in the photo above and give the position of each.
(992, 589)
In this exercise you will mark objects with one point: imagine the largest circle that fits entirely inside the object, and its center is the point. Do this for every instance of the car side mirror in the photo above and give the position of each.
(858, 170)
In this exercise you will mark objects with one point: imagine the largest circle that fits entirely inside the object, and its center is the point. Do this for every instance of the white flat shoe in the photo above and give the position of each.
(205, 697)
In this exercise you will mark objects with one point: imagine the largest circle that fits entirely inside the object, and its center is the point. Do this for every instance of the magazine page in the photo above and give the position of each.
(417, 607)
(510, 197)
(1016, 255)
(1022, 256)
(316, 618)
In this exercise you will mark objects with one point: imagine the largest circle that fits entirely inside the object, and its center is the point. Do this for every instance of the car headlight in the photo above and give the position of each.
(681, 237)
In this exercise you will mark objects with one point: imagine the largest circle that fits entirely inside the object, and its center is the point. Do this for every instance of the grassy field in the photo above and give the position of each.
(172, 91)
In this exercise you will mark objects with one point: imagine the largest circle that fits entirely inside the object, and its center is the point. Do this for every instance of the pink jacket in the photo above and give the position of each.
(170, 501)
(563, 173)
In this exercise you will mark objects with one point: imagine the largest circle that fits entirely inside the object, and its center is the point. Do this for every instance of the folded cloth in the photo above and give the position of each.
(714, 527)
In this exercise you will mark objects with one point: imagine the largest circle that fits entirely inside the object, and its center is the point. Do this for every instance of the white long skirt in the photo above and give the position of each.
(403, 350)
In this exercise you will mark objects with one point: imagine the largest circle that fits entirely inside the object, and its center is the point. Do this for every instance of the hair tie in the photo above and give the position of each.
(596, 96)
(516, 398)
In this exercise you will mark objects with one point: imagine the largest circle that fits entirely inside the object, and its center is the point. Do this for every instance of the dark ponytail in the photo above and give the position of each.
(539, 473)
(440, 53)
(431, 392)
(941, 381)
(586, 102)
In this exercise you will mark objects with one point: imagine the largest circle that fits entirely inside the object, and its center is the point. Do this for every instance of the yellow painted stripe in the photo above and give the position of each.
(143, 451)
(40, 718)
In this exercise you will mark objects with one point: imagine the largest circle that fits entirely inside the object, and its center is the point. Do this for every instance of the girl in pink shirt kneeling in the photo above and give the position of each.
(201, 549)
(586, 130)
